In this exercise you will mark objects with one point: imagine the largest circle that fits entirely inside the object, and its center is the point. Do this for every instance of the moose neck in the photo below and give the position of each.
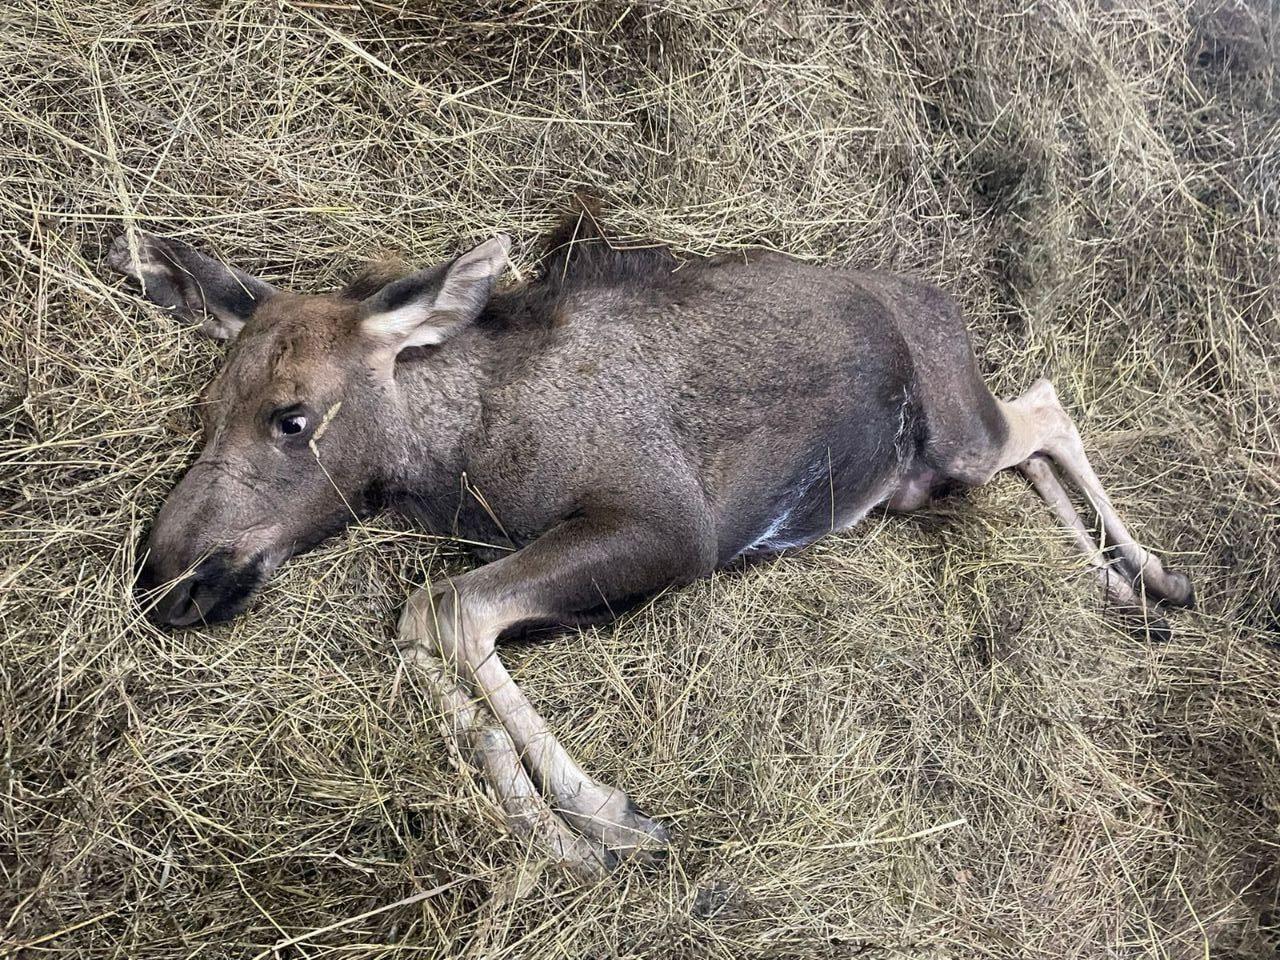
(437, 401)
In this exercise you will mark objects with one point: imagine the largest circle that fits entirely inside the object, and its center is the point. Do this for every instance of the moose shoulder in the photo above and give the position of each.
(623, 423)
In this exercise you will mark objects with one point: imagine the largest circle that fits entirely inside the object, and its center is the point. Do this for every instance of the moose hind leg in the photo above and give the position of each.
(1037, 424)
(1146, 568)
(1118, 590)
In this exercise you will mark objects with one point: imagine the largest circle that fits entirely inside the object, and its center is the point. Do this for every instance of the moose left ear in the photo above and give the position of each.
(219, 298)
(431, 305)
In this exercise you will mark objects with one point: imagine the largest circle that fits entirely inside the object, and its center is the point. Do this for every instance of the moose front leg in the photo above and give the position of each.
(482, 741)
(584, 564)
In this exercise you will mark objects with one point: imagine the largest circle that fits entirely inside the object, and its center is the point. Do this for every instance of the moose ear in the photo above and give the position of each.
(198, 288)
(431, 305)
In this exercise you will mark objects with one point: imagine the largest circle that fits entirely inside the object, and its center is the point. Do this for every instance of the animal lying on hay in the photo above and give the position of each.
(621, 424)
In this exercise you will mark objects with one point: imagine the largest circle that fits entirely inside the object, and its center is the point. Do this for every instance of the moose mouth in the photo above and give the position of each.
(218, 589)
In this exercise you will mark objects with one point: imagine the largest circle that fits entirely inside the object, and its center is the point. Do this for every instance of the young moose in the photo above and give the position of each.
(624, 423)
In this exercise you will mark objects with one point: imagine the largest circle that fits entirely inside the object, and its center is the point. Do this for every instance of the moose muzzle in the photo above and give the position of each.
(209, 549)
(215, 588)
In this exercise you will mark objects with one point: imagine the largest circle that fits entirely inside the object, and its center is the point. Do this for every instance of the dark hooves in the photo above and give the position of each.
(1154, 629)
(1183, 594)
(654, 851)
(1170, 590)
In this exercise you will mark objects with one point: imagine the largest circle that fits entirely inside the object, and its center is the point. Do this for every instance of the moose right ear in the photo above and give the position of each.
(432, 305)
(195, 287)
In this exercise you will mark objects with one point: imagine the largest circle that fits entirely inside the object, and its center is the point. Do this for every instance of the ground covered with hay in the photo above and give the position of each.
(922, 739)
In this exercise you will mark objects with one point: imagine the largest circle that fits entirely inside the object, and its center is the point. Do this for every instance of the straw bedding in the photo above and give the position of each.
(924, 738)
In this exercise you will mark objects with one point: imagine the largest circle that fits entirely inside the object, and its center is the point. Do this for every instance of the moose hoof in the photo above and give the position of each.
(1178, 590)
(607, 817)
(1159, 585)
(1152, 629)
(638, 837)
(1123, 600)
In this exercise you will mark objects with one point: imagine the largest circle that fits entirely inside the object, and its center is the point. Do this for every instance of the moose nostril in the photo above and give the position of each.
(179, 608)
(145, 577)
(175, 607)
(214, 590)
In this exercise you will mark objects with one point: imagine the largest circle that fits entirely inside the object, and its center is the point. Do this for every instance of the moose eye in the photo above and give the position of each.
(292, 423)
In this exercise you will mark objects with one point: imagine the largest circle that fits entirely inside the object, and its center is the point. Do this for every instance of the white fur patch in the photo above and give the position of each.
(767, 541)
(406, 324)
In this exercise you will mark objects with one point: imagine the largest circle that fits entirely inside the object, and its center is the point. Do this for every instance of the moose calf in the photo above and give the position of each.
(623, 423)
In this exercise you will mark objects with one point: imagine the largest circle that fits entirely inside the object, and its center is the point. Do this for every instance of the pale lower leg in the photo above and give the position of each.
(604, 815)
(1041, 476)
(1145, 567)
(1038, 424)
(475, 736)
(601, 812)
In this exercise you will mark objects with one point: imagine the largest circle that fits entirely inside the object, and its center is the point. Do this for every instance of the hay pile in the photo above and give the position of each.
(920, 740)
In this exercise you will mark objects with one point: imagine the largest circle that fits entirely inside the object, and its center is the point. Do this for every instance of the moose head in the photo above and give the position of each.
(303, 422)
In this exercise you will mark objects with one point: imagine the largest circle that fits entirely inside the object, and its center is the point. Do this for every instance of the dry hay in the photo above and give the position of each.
(924, 739)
